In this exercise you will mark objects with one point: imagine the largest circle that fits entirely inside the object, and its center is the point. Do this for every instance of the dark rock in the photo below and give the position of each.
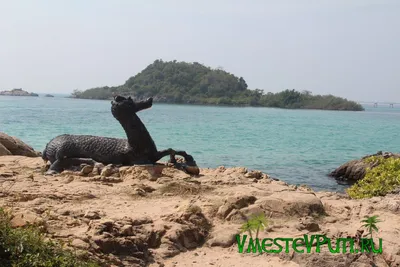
(235, 203)
(121, 246)
(355, 170)
(308, 224)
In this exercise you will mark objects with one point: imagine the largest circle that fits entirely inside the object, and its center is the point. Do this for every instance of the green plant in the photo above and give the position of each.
(378, 181)
(27, 247)
(370, 224)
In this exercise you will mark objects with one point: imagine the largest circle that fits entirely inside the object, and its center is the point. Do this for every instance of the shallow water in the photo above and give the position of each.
(297, 146)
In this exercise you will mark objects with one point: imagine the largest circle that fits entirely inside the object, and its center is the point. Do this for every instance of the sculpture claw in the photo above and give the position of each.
(188, 165)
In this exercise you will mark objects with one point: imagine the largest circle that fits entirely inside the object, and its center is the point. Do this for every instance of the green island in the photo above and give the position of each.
(193, 83)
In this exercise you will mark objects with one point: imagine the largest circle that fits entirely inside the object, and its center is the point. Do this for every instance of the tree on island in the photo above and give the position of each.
(194, 83)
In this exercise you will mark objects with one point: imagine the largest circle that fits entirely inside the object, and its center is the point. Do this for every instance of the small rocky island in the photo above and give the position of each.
(48, 95)
(17, 92)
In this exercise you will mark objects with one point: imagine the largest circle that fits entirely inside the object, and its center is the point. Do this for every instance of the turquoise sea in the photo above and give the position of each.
(297, 146)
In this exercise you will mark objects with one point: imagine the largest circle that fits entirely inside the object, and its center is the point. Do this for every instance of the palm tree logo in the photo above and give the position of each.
(255, 223)
(370, 224)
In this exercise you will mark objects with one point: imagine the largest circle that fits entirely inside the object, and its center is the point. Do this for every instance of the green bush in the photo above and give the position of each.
(26, 247)
(379, 180)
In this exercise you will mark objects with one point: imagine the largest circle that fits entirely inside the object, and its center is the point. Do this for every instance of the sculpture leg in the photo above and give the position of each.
(55, 167)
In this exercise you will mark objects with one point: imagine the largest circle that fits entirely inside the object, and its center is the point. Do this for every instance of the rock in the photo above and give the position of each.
(254, 174)
(122, 246)
(193, 170)
(48, 95)
(139, 192)
(140, 221)
(4, 151)
(102, 226)
(79, 243)
(146, 188)
(393, 205)
(238, 170)
(26, 218)
(6, 173)
(126, 230)
(10, 145)
(92, 215)
(97, 169)
(292, 203)
(356, 169)
(308, 224)
(223, 236)
(235, 203)
(138, 172)
(189, 229)
(155, 234)
(184, 237)
(330, 219)
(108, 170)
(243, 214)
(64, 211)
(87, 169)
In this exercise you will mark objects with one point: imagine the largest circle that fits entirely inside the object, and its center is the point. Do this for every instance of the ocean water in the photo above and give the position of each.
(296, 146)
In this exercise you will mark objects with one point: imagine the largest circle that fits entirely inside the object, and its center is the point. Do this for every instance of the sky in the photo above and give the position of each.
(345, 48)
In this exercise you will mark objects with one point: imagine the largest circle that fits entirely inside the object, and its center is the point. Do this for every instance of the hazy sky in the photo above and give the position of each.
(346, 48)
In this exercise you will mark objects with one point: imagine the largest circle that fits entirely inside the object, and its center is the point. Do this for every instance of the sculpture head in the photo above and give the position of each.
(122, 107)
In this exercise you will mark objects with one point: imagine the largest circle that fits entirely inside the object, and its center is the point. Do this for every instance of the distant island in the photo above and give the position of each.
(17, 92)
(48, 95)
(194, 83)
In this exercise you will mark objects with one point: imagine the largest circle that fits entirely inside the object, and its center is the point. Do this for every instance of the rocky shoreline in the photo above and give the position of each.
(161, 216)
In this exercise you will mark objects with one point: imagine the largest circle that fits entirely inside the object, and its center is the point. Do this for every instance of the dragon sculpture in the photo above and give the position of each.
(139, 148)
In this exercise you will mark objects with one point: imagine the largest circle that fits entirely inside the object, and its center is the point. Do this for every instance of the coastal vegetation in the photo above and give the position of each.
(194, 83)
(378, 181)
(27, 247)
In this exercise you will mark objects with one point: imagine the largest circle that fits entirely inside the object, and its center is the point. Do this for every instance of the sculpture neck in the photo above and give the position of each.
(138, 137)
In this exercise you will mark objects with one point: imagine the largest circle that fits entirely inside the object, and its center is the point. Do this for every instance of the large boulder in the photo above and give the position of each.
(355, 170)
(4, 151)
(10, 145)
